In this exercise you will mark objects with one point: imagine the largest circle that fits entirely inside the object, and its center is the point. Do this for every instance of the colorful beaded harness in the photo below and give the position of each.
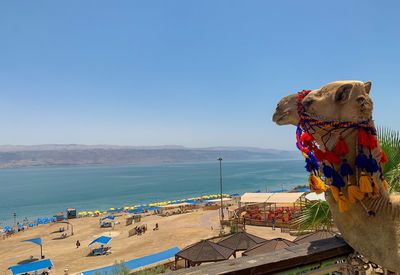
(335, 167)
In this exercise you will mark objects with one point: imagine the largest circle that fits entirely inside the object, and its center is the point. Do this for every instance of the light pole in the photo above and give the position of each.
(220, 184)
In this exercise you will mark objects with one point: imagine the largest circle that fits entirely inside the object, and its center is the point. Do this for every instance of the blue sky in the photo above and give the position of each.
(193, 73)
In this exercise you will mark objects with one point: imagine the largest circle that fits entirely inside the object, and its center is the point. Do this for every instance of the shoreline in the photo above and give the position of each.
(94, 165)
(122, 209)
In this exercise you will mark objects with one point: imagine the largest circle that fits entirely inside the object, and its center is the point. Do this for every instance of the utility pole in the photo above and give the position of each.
(220, 183)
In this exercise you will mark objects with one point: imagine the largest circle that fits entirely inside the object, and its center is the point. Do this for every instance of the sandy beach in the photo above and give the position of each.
(178, 230)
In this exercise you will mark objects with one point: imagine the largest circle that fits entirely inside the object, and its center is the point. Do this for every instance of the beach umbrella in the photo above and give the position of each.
(7, 228)
(37, 241)
(31, 267)
(101, 240)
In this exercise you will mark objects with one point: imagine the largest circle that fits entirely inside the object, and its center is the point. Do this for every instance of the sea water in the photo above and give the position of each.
(38, 192)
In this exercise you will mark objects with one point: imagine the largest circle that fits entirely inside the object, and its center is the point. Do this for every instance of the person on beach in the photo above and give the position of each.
(78, 244)
(273, 223)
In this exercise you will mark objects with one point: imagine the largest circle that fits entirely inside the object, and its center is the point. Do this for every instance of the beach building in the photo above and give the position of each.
(270, 208)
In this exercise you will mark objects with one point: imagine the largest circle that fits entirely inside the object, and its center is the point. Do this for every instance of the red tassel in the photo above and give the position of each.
(320, 155)
(341, 147)
(373, 142)
(332, 157)
(363, 138)
(383, 157)
(306, 137)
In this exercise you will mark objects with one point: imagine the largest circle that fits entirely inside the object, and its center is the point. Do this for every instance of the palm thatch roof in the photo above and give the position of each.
(315, 236)
(268, 246)
(241, 241)
(205, 251)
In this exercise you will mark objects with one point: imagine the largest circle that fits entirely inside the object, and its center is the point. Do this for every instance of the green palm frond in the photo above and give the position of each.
(315, 216)
(390, 142)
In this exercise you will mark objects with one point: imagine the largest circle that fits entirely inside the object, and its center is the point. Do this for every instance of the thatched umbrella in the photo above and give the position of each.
(268, 246)
(315, 236)
(203, 252)
(241, 241)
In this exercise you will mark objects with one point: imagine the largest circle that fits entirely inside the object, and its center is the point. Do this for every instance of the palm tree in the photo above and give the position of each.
(317, 216)
(390, 143)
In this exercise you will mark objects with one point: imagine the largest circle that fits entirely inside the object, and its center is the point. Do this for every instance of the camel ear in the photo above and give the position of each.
(343, 93)
(367, 86)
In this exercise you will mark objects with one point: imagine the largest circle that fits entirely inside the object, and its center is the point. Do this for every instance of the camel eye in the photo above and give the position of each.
(361, 100)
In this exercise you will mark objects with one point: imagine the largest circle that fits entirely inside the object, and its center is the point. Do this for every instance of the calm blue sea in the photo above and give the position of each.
(38, 192)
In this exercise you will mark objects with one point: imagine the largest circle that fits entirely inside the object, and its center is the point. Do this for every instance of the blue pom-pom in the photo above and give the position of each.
(362, 160)
(345, 169)
(328, 171)
(309, 166)
(372, 165)
(314, 161)
(338, 180)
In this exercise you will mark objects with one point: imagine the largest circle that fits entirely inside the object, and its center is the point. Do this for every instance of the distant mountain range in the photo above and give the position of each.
(14, 156)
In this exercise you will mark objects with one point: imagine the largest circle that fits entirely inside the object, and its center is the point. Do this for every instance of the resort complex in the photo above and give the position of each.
(169, 235)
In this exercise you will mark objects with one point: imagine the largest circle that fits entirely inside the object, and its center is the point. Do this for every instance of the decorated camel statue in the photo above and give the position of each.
(336, 135)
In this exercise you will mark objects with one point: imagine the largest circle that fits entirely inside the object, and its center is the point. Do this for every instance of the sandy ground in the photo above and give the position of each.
(178, 230)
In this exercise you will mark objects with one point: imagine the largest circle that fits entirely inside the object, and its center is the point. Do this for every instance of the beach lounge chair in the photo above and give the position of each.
(101, 251)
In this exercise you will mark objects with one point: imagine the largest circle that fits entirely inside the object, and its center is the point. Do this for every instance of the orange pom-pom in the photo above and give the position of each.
(365, 184)
(343, 204)
(335, 192)
(354, 193)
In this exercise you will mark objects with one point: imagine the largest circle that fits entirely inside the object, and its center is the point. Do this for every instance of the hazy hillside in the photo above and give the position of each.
(51, 155)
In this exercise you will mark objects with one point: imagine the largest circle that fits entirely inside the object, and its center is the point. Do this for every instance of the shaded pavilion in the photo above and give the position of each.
(268, 246)
(314, 236)
(203, 252)
(241, 241)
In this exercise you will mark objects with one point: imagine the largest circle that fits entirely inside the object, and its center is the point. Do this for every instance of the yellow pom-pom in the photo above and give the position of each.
(354, 193)
(335, 192)
(385, 184)
(343, 204)
(365, 184)
(317, 184)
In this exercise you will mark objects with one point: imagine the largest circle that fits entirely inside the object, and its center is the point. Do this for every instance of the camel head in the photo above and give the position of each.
(335, 131)
(337, 101)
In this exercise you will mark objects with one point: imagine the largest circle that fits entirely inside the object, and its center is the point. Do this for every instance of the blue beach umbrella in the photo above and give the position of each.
(37, 241)
(101, 240)
(7, 228)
